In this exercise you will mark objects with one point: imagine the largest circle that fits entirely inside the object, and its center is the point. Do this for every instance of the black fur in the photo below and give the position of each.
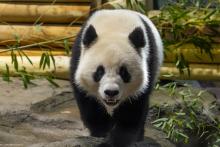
(126, 125)
(152, 61)
(90, 36)
(137, 39)
(100, 71)
(125, 75)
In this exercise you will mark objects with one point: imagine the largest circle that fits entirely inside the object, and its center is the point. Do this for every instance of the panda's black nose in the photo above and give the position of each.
(111, 93)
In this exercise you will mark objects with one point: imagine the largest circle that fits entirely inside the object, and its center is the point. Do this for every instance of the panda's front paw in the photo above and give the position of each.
(104, 145)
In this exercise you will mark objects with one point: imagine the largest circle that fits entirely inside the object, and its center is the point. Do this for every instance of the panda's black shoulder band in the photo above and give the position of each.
(152, 51)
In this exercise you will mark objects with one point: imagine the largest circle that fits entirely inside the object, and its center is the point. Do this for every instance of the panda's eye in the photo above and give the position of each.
(100, 71)
(125, 75)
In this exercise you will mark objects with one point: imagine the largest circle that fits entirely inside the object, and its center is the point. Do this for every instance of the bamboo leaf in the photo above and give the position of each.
(53, 60)
(210, 14)
(183, 135)
(20, 54)
(160, 120)
(48, 60)
(66, 47)
(25, 77)
(15, 62)
(50, 79)
(42, 60)
(24, 82)
(6, 74)
(45, 61)
(29, 60)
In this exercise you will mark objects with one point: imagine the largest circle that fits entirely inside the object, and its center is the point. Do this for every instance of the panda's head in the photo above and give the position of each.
(111, 65)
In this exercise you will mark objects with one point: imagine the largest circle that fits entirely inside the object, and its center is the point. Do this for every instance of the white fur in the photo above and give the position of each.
(113, 50)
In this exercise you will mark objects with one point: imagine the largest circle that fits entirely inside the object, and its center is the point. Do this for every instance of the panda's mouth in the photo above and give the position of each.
(111, 102)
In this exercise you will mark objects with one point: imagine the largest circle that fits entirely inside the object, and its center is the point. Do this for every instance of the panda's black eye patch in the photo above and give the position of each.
(125, 75)
(100, 71)
(137, 39)
(90, 36)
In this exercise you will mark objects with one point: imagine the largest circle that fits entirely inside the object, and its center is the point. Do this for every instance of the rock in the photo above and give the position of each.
(157, 136)
(163, 98)
(75, 142)
(13, 96)
(52, 103)
(92, 142)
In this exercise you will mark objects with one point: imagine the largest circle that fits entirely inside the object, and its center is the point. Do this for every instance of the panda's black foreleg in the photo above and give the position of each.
(93, 115)
(121, 137)
(129, 124)
(95, 119)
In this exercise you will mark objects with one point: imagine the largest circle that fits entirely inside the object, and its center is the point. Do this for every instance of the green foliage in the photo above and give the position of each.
(66, 46)
(25, 77)
(188, 118)
(136, 5)
(182, 63)
(6, 74)
(184, 22)
(50, 79)
(46, 59)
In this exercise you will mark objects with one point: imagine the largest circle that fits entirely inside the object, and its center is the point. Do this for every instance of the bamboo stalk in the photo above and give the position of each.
(36, 52)
(30, 13)
(28, 34)
(193, 54)
(198, 71)
(62, 66)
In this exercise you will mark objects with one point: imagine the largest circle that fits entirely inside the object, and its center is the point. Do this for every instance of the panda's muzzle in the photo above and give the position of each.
(111, 97)
(111, 102)
(111, 93)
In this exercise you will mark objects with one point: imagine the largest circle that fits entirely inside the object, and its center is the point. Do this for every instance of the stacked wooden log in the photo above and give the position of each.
(202, 64)
(34, 21)
(28, 22)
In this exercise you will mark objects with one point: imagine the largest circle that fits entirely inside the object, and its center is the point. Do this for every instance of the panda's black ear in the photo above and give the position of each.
(90, 36)
(136, 37)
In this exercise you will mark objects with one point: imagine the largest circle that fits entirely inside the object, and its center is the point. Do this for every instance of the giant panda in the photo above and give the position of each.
(115, 62)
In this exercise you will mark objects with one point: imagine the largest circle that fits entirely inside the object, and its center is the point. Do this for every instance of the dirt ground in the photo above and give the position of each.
(44, 115)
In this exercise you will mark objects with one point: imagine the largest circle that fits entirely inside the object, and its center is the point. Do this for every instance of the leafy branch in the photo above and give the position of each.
(185, 22)
(188, 118)
(37, 44)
